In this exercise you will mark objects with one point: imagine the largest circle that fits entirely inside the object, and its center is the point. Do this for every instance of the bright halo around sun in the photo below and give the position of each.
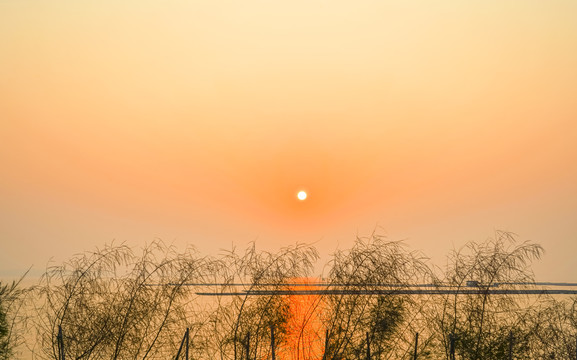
(302, 195)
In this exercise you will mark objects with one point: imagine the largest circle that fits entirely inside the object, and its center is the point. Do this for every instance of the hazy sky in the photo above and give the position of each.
(198, 121)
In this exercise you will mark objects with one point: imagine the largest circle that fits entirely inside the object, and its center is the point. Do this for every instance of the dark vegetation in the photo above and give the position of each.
(115, 303)
(12, 319)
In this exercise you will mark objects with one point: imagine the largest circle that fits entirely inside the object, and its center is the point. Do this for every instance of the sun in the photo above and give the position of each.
(302, 195)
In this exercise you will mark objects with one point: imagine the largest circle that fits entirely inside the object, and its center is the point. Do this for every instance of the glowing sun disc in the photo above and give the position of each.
(302, 195)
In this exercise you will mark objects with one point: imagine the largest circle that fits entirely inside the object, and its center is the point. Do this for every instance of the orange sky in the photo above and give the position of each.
(198, 121)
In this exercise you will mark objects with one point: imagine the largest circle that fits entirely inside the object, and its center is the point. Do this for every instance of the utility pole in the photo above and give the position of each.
(247, 346)
(60, 340)
(272, 342)
(452, 347)
(368, 347)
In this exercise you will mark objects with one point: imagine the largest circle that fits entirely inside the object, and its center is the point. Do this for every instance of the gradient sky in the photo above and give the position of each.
(197, 122)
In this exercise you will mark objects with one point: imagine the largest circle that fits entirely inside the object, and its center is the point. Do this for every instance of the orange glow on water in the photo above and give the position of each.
(305, 331)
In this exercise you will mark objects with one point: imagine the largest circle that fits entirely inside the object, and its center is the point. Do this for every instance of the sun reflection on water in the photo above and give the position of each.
(305, 338)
